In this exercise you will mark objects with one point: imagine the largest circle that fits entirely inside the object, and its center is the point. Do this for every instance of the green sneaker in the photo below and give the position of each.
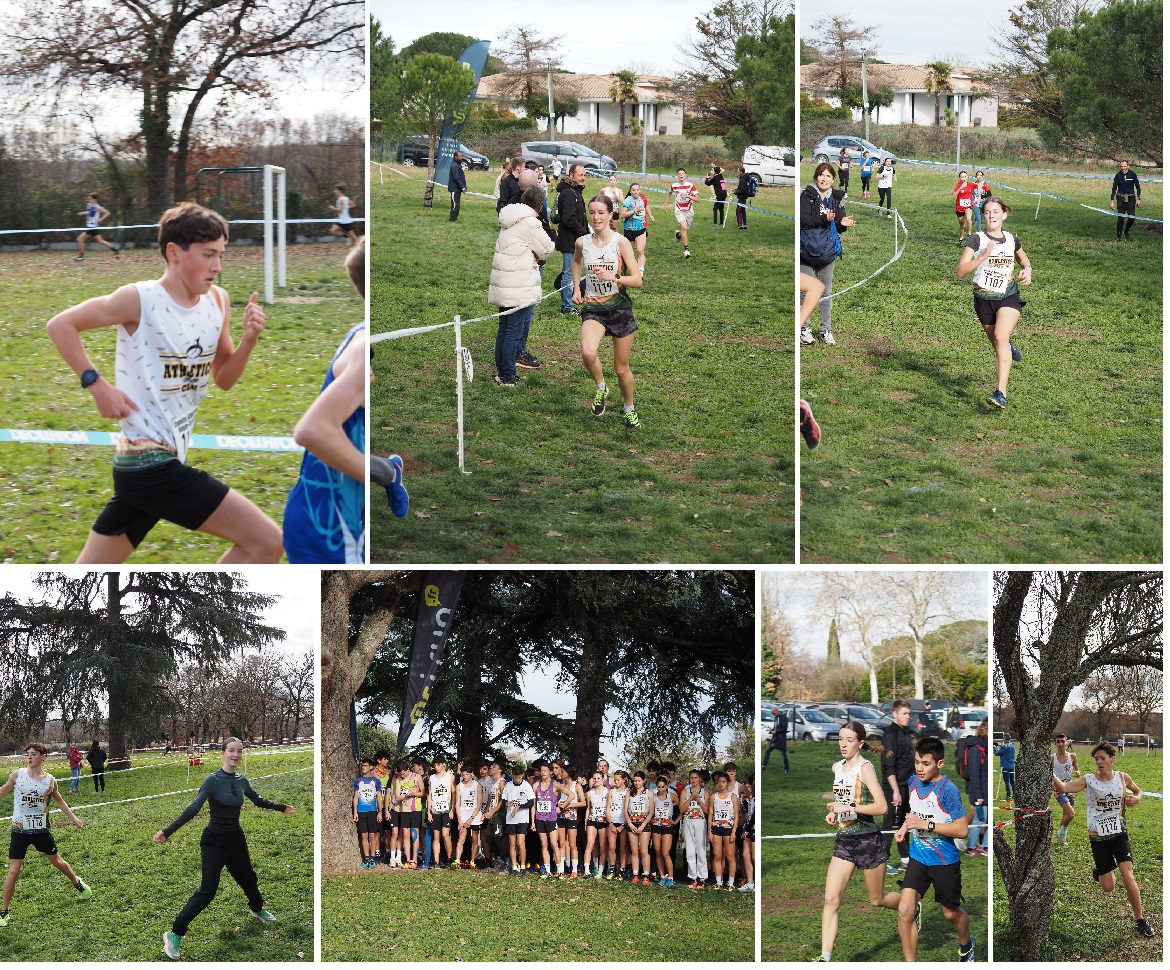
(171, 944)
(263, 915)
(631, 419)
(83, 890)
(599, 399)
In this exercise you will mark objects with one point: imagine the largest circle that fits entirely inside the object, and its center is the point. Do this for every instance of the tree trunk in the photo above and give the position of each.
(592, 681)
(156, 140)
(117, 720)
(874, 695)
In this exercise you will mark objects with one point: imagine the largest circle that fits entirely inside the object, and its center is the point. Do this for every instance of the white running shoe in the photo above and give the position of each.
(827, 338)
(806, 336)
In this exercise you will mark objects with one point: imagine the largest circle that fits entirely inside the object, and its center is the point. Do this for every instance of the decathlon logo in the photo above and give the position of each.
(259, 443)
(54, 437)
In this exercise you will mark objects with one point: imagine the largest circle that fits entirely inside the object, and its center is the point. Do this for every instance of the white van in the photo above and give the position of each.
(770, 164)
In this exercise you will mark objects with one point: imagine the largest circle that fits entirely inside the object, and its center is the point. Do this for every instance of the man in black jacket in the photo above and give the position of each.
(572, 226)
(897, 767)
(456, 184)
(743, 192)
(1126, 195)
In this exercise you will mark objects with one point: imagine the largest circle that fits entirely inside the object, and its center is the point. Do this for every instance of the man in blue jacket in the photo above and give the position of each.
(1126, 195)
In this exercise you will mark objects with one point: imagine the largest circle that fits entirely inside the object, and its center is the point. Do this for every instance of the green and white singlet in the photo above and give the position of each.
(850, 789)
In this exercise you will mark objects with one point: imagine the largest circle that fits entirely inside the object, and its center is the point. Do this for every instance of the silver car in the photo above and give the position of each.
(828, 149)
(569, 152)
(809, 724)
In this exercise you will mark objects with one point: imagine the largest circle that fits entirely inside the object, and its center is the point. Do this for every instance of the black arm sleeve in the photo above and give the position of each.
(259, 802)
(889, 753)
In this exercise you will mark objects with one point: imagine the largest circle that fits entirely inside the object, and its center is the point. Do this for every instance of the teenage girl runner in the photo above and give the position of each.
(1065, 769)
(470, 808)
(597, 803)
(638, 822)
(747, 808)
(694, 804)
(613, 192)
(722, 818)
(570, 800)
(635, 212)
(616, 813)
(964, 199)
(606, 306)
(222, 844)
(665, 810)
(886, 179)
(385, 776)
(866, 173)
(991, 256)
(978, 197)
(857, 808)
(1106, 801)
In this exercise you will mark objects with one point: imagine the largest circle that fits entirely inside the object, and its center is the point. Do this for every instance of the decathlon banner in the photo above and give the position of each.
(475, 57)
(436, 612)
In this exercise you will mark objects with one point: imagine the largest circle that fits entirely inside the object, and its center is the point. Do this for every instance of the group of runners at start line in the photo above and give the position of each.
(552, 822)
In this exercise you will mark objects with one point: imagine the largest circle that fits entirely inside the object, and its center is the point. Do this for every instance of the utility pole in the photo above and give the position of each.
(551, 118)
(958, 132)
(864, 97)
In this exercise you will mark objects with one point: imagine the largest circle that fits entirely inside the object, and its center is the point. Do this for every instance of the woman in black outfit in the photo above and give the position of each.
(743, 192)
(719, 184)
(97, 764)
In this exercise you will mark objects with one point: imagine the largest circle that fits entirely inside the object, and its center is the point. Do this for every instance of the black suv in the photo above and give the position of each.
(414, 151)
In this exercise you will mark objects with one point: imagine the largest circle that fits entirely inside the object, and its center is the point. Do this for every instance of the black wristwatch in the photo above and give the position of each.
(930, 826)
(89, 378)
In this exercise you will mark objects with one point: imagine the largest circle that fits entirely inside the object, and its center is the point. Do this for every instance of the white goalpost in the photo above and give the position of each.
(280, 227)
(1137, 742)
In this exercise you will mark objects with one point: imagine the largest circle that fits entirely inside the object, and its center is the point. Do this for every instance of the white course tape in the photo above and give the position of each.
(899, 249)
(165, 794)
(1020, 171)
(221, 442)
(411, 331)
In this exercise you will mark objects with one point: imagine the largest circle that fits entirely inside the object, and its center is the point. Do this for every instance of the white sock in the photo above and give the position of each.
(601, 386)
(627, 408)
(827, 956)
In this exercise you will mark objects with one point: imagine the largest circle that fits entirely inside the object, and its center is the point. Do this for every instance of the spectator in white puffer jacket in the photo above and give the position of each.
(515, 280)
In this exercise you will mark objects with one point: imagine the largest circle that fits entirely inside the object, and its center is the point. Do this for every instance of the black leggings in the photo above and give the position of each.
(717, 208)
(99, 781)
(865, 182)
(221, 850)
(886, 197)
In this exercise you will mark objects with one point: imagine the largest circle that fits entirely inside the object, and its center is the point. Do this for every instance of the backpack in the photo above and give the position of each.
(554, 212)
(752, 184)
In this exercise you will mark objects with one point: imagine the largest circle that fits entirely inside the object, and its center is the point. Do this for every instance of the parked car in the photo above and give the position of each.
(829, 149)
(972, 718)
(875, 723)
(569, 152)
(809, 724)
(414, 151)
(769, 164)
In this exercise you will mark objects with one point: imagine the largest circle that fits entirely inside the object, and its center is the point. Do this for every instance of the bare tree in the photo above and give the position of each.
(1141, 690)
(178, 57)
(527, 54)
(1051, 631)
(922, 600)
(861, 603)
(297, 681)
(839, 44)
(1101, 697)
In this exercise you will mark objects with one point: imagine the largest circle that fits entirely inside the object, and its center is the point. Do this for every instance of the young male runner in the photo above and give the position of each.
(173, 338)
(343, 227)
(936, 818)
(32, 788)
(1106, 800)
(685, 193)
(1065, 769)
(441, 807)
(95, 214)
(367, 812)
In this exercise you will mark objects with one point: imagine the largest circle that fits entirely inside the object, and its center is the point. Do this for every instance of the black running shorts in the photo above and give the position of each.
(567, 823)
(1108, 854)
(946, 879)
(617, 323)
(864, 851)
(546, 826)
(633, 234)
(171, 490)
(439, 822)
(986, 309)
(516, 828)
(656, 829)
(597, 823)
(367, 823)
(42, 841)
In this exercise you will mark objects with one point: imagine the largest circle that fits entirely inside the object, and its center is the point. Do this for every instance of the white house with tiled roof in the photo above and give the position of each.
(913, 104)
(597, 111)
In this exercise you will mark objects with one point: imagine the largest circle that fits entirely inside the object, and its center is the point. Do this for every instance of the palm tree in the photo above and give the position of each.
(938, 80)
(622, 90)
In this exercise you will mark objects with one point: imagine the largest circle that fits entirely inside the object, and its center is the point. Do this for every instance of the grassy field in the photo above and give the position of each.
(483, 916)
(914, 465)
(792, 876)
(1087, 922)
(139, 886)
(708, 478)
(52, 493)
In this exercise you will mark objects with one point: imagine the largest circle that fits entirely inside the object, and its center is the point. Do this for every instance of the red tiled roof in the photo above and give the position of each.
(584, 87)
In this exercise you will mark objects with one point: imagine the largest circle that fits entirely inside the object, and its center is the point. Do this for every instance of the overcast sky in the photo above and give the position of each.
(922, 31)
(596, 40)
(297, 611)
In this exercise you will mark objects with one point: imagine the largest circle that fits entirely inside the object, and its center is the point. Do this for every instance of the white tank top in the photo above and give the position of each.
(440, 793)
(638, 806)
(91, 216)
(597, 797)
(165, 366)
(721, 810)
(995, 273)
(663, 810)
(343, 203)
(31, 802)
(602, 294)
(617, 806)
(467, 803)
(1105, 801)
(1064, 772)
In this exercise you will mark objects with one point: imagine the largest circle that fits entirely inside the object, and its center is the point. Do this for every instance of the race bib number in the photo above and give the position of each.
(994, 281)
(846, 816)
(600, 287)
(544, 805)
(33, 809)
(964, 203)
(1110, 825)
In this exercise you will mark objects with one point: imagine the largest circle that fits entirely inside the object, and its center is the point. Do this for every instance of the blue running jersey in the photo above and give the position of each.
(938, 802)
(325, 517)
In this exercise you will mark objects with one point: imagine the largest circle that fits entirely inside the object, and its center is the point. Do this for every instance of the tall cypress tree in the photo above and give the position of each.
(834, 645)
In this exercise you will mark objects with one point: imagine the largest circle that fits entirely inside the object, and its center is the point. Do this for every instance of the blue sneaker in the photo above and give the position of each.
(387, 472)
(967, 953)
(1016, 355)
(998, 399)
(891, 869)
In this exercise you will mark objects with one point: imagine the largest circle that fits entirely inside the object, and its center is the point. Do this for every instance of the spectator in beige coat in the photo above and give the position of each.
(515, 280)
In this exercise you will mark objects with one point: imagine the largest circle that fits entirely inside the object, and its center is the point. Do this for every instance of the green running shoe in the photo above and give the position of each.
(631, 419)
(171, 944)
(967, 954)
(263, 915)
(83, 890)
(599, 399)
